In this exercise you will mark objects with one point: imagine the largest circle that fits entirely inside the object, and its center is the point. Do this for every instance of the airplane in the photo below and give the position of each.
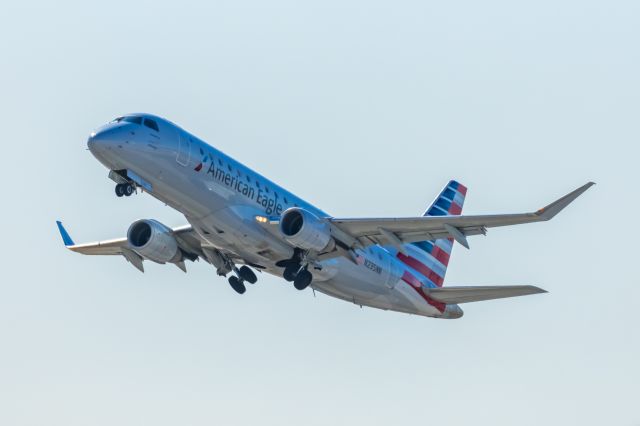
(241, 222)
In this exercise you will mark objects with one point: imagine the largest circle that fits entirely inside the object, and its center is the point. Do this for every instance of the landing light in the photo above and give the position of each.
(261, 219)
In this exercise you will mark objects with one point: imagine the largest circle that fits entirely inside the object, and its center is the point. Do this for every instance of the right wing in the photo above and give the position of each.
(398, 231)
(455, 295)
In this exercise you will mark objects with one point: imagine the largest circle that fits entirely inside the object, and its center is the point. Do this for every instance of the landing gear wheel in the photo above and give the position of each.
(127, 189)
(290, 272)
(247, 274)
(303, 279)
(237, 284)
(119, 190)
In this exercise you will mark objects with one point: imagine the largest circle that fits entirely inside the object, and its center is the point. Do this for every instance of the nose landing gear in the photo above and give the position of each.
(125, 189)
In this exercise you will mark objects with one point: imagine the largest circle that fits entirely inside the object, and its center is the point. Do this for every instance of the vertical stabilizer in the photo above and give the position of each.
(429, 259)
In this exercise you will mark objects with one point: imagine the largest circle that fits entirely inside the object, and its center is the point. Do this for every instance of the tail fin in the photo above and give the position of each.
(431, 258)
(449, 202)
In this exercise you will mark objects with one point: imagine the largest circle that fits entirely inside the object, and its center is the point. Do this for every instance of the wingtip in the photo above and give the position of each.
(538, 290)
(557, 206)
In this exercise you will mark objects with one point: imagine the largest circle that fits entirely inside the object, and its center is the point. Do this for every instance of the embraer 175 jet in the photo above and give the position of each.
(239, 222)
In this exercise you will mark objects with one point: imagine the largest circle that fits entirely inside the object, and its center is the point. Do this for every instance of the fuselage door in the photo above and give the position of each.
(184, 149)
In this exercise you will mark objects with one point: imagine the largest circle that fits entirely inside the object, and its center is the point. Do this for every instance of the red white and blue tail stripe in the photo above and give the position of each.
(428, 260)
(449, 202)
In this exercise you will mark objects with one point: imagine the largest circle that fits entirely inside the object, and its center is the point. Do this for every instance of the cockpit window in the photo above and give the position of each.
(136, 120)
(151, 124)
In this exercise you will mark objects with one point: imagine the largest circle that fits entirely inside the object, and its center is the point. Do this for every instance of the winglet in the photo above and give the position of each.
(554, 208)
(66, 239)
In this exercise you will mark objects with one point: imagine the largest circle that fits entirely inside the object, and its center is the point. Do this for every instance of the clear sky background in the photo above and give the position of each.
(364, 108)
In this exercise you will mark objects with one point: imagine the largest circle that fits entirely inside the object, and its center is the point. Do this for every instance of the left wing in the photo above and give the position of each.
(398, 231)
(186, 237)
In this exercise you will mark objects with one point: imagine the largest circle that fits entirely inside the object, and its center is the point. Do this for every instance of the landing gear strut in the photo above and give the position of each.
(224, 264)
(125, 189)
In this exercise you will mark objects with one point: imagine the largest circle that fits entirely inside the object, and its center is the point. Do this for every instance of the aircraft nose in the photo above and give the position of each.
(92, 141)
(102, 139)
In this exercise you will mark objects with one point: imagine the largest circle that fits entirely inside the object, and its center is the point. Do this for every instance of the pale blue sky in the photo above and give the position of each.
(364, 108)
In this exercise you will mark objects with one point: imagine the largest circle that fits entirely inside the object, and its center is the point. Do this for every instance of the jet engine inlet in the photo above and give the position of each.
(139, 234)
(291, 223)
(154, 241)
(305, 230)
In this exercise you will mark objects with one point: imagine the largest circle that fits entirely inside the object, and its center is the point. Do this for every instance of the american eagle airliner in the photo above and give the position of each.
(241, 222)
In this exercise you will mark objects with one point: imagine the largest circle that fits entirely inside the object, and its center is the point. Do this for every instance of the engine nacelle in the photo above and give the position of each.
(305, 230)
(154, 241)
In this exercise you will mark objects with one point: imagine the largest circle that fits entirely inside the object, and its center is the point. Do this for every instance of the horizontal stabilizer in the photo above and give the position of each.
(454, 295)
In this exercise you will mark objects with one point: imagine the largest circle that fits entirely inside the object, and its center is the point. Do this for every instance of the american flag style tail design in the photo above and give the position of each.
(429, 259)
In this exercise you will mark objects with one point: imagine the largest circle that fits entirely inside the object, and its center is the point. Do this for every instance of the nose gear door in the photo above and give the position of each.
(184, 149)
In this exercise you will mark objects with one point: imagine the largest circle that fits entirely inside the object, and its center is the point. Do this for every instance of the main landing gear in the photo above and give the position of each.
(296, 270)
(243, 274)
(126, 189)
(303, 279)
(224, 265)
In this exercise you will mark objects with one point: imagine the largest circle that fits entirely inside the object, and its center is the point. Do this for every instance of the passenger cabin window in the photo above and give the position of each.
(151, 124)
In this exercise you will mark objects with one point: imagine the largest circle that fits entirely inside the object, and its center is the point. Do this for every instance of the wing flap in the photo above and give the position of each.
(463, 294)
